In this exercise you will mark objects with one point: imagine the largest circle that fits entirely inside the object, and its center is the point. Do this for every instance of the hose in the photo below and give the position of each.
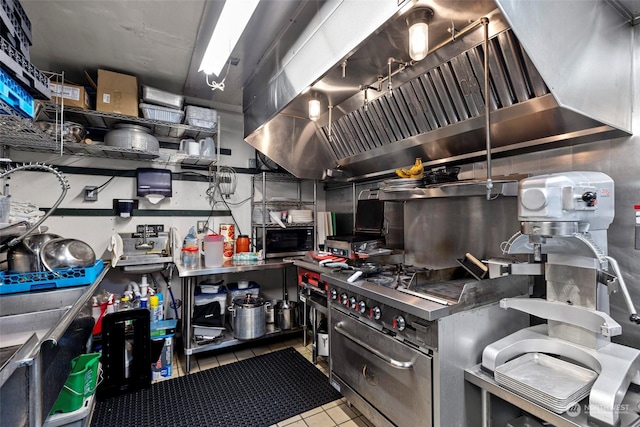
(174, 305)
(43, 168)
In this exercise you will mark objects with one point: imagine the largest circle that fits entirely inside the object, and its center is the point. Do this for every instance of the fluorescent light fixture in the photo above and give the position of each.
(314, 109)
(232, 22)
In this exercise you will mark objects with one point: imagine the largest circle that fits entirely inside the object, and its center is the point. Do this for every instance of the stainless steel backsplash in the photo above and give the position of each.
(437, 231)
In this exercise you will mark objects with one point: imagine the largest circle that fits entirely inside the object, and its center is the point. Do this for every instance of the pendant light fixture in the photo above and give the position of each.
(418, 22)
(314, 109)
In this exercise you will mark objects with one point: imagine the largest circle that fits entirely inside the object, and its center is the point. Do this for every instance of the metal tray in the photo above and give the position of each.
(550, 381)
(161, 97)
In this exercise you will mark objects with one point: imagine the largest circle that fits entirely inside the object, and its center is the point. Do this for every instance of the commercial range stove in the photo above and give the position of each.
(401, 339)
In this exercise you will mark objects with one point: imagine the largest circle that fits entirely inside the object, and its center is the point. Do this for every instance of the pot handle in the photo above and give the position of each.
(232, 309)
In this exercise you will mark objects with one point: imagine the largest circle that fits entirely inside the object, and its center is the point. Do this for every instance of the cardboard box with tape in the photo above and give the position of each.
(117, 93)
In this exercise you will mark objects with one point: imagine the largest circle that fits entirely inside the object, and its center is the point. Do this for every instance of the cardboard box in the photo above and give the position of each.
(74, 96)
(162, 367)
(117, 93)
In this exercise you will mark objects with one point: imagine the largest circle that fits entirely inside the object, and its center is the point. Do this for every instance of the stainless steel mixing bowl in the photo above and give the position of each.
(65, 253)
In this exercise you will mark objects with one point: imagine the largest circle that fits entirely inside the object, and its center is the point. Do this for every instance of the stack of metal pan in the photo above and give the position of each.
(553, 383)
(400, 184)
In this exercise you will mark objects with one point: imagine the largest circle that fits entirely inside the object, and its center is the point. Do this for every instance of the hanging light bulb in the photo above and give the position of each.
(314, 109)
(418, 22)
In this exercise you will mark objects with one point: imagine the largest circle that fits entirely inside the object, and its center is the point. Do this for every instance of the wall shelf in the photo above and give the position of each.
(259, 229)
(91, 119)
(452, 189)
(288, 225)
(20, 133)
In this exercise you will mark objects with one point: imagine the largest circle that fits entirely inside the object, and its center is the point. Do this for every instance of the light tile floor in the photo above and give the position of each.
(336, 413)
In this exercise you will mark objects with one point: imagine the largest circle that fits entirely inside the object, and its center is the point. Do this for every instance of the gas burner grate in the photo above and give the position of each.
(383, 280)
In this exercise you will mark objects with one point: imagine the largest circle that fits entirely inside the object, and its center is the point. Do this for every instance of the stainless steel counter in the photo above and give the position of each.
(231, 267)
(299, 262)
(475, 375)
(189, 277)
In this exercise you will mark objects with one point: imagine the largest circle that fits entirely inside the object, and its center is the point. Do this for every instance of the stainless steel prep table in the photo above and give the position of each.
(488, 386)
(189, 278)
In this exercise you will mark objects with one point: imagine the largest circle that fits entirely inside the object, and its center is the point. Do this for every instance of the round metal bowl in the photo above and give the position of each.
(129, 136)
(71, 131)
(66, 253)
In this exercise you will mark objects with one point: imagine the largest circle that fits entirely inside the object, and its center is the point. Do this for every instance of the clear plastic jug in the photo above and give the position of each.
(213, 250)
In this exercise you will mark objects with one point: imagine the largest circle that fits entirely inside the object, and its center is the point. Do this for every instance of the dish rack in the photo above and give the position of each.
(41, 280)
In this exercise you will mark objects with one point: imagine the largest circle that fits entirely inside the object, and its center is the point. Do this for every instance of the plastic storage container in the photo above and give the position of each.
(80, 384)
(220, 296)
(161, 97)
(242, 243)
(236, 292)
(155, 112)
(201, 117)
(190, 257)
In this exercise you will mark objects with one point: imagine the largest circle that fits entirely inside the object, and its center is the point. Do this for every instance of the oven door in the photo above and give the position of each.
(391, 376)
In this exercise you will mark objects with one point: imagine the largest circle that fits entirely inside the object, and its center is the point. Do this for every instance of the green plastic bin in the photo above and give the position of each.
(80, 384)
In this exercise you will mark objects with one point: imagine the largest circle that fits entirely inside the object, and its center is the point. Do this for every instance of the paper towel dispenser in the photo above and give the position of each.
(153, 182)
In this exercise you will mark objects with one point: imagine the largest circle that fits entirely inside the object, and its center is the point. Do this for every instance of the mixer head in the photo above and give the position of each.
(562, 204)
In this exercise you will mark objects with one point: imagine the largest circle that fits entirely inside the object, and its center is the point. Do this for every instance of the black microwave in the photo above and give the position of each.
(282, 242)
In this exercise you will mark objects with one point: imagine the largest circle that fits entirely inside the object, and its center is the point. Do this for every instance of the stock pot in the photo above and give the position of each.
(248, 317)
(286, 314)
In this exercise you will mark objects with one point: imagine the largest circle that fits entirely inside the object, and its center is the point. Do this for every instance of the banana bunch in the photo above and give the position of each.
(416, 171)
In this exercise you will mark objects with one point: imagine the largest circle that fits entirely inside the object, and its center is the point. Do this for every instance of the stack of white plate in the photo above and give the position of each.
(301, 215)
(553, 383)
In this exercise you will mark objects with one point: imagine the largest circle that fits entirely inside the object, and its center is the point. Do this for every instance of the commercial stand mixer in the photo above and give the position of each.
(564, 221)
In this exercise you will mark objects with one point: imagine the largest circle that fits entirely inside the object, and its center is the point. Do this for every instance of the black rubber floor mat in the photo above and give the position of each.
(260, 391)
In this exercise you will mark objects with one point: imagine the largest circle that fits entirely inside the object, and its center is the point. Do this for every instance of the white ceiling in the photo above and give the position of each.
(159, 41)
(162, 41)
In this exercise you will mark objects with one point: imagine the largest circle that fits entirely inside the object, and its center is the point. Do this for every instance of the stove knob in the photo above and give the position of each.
(333, 294)
(353, 303)
(344, 299)
(399, 323)
(362, 307)
(375, 313)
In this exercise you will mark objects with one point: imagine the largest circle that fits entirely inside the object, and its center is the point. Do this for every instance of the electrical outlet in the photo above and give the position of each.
(90, 193)
(201, 227)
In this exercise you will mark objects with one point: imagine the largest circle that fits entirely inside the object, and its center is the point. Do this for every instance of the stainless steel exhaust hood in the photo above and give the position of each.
(560, 73)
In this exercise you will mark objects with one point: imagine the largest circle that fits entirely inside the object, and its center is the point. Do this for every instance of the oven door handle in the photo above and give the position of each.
(391, 361)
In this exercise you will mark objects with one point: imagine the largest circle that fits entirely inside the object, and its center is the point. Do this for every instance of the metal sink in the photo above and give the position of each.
(22, 315)
(143, 259)
(40, 333)
(144, 263)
